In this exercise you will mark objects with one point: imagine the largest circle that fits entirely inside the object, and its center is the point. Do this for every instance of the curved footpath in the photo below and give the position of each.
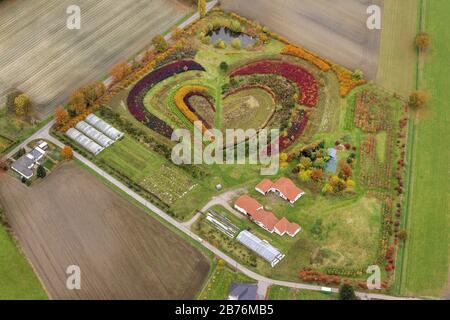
(263, 282)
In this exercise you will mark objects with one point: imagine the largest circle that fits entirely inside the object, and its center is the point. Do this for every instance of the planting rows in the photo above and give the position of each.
(182, 97)
(135, 99)
(305, 80)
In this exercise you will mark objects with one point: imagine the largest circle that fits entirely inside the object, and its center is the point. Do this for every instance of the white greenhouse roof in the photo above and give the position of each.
(104, 127)
(84, 141)
(261, 247)
(94, 134)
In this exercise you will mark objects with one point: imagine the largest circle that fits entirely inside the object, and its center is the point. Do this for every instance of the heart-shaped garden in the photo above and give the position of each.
(253, 96)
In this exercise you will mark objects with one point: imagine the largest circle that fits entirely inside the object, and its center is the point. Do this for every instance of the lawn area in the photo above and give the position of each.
(426, 264)
(17, 278)
(219, 283)
(398, 58)
(285, 293)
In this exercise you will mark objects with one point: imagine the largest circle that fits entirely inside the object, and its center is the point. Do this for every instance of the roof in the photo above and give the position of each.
(22, 165)
(264, 185)
(247, 203)
(94, 134)
(285, 226)
(287, 188)
(104, 127)
(262, 248)
(84, 141)
(268, 219)
(243, 291)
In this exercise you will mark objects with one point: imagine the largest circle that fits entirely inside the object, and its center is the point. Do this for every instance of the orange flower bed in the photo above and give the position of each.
(179, 98)
(345, 77)
(298, 52)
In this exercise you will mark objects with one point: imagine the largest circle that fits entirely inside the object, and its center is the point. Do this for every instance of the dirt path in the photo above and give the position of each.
(71, 218)
(334, 29)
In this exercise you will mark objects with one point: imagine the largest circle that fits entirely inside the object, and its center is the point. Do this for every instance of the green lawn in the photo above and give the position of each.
(285, 293)
(426, 265)
(17, 279)
(219, 283)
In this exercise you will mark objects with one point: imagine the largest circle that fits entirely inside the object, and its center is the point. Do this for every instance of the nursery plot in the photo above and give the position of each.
(147, 169)
(255, 101)
(123, 253)
(41, 56)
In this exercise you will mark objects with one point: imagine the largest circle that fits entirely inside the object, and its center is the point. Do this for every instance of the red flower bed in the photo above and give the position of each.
(305, 81)
(135, 99)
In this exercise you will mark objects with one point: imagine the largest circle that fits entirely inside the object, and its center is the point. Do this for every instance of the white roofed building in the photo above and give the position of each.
(94, 134)
(104, 127)
(84, 141)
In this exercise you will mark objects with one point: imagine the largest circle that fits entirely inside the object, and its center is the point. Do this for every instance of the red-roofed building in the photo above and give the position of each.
(286, 189)
(247, 205)
(264, 219)
(264, 186)
(284, 226)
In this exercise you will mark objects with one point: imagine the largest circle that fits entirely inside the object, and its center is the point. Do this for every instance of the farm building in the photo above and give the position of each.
(84, 141)
(247, 205)
(26, 163)
(260, 247)
(285, 227)
(265, 219)
(284, 187)
(104, 127)
(243, 291)
(94, 134)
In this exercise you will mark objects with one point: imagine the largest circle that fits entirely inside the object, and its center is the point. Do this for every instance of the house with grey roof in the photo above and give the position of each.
(243, 291)
(25, 164)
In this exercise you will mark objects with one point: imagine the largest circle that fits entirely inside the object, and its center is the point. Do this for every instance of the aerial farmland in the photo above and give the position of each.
(208, 150)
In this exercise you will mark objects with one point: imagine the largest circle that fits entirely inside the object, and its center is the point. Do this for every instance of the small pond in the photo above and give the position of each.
(227, 36)
(331, 165)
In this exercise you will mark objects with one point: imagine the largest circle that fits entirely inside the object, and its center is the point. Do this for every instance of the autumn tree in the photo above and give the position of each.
(77, 102)
(61, 116)
(345, 169)
(402, 235)
(67, 152)
(201, 4)
(159, 43)
(305, 162)
(317, 174)
(93, 91)
(418, 99)
(120, 71)
(22, 105)
(422, 41)
(177, 33)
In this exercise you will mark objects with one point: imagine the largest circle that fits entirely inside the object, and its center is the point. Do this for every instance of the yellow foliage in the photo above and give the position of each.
(179, 102)
(295, 51)
(346, 80)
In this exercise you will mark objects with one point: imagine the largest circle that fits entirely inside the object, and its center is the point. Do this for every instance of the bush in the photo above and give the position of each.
(223, 66)
(220, 44)
(236, 43)
(346, 292)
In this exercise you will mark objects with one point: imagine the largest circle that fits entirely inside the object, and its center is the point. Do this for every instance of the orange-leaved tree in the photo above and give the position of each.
(120, 71)
(67, 152)
(61, 116)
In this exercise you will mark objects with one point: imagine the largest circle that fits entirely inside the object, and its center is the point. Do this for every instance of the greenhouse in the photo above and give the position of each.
(84, 141)
(260, 247)
(94, 134)
(104, 127)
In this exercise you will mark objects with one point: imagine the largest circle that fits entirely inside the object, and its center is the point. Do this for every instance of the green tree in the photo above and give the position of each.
(346, 292)
(41, 173)
(223, 66)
